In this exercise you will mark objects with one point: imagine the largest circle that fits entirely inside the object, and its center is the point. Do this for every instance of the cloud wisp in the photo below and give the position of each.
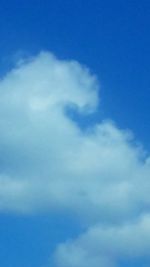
(48, 163)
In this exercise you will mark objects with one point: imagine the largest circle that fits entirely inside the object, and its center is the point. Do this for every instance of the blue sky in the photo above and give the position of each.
(110, 37)
(58, 181)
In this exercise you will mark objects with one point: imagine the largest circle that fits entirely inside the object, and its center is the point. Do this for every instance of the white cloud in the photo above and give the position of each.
(107, 246)
(48, 163)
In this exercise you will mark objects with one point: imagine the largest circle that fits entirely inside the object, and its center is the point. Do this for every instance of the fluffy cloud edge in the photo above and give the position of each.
(48, 163)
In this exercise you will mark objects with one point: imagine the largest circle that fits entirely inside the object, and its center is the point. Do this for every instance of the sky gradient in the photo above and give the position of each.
(74, 138)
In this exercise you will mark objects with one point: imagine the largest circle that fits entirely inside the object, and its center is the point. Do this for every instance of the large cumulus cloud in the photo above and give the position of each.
(47, 162)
